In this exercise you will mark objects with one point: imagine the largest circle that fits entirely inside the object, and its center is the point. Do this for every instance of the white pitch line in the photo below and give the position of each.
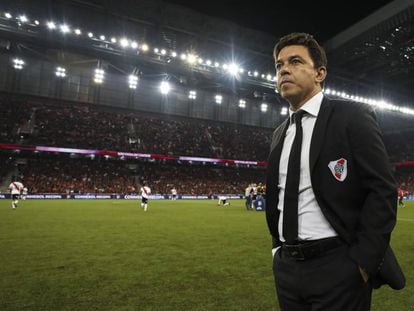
(405, 219)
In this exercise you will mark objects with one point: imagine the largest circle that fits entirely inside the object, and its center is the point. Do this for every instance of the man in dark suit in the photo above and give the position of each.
(331, 196)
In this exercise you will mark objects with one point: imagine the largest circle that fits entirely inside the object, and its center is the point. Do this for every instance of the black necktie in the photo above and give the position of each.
(290, 203)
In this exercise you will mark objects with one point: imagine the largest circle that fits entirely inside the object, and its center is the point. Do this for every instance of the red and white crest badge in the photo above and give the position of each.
(339, 169)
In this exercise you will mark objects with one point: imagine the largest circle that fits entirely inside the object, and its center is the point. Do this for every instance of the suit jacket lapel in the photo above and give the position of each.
(319, 131)
(272, 193)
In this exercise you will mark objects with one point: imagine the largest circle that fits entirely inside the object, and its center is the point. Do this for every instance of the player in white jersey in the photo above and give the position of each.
(173, 194)
(145, 192)
(222, 200)
(15, 189)
(24, 193)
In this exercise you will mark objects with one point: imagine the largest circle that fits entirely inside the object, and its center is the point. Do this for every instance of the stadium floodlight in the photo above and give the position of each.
(18, 63)
(174, 54)
(145, 47)
(60, 72)
(327, 91)
(208, 62)
(269, 77)
(200, 61)
(216, 64)
(163, 52)
(242, 103)
(8, 15)
(51, 25)
(263, 107)
(165, 87)
(37, 23)
(255, 73)
(225, 66)
(102, 37)
(192, 95)
(233, 69)
(23, 18)
(99, 76)
(218, 99)
(191, 58)
(124, 42)
(78, 31)
(113, 40)
(263, 76)
(183, 56)
(90, 34)
(134, 44)
(284, 111)
(133, 81)
(241, 70)
(64, 28)
(156, 50)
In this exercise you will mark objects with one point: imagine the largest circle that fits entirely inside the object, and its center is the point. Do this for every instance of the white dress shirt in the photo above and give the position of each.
(312, 224)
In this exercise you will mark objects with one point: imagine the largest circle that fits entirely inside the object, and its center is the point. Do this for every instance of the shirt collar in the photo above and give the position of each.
(312, 106)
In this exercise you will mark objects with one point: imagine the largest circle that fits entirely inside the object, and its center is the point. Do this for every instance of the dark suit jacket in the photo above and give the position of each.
(361, 208)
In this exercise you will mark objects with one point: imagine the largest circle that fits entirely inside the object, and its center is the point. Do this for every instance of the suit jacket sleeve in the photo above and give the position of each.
(378, 213)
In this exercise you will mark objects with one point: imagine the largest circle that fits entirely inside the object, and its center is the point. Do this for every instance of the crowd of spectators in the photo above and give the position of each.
(65, 175)
(98, 127)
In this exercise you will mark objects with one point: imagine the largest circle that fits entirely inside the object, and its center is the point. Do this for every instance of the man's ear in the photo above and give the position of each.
(320, 74)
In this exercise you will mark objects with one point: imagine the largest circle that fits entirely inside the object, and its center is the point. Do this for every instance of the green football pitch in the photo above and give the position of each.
(180, 255)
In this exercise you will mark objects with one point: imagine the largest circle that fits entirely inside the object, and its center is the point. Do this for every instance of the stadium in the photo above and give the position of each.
(141, 131)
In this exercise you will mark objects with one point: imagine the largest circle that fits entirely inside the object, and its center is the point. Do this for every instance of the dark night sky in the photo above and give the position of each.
(324, 19)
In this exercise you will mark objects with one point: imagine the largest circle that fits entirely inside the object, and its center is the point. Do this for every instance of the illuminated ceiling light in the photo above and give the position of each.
(233, 69)
(102, 37)
(90, 34)
(8, 15)
(263, 107)
(174, 54)
(165, 87)
(78, 31)
(124, 42)
(163, 52)
(51, 25)
(145, 47)
(60, 72)
(133, 81)
(99, 76)
(284, 111)
(192, 95)
(23, 18)
(64, 28)
(218, 99)
(191, 58)
(242, 103)
(134, 44)
(113, 40)
(18, 63)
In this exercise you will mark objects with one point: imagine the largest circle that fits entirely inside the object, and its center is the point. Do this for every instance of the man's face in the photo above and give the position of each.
(296, 75)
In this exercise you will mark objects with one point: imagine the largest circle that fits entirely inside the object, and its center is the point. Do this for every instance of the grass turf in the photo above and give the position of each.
(180, 255)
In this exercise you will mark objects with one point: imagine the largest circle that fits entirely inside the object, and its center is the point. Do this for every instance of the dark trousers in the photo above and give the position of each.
(329, 282)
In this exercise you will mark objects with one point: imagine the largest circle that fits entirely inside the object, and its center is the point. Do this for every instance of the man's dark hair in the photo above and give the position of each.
(316, 52)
